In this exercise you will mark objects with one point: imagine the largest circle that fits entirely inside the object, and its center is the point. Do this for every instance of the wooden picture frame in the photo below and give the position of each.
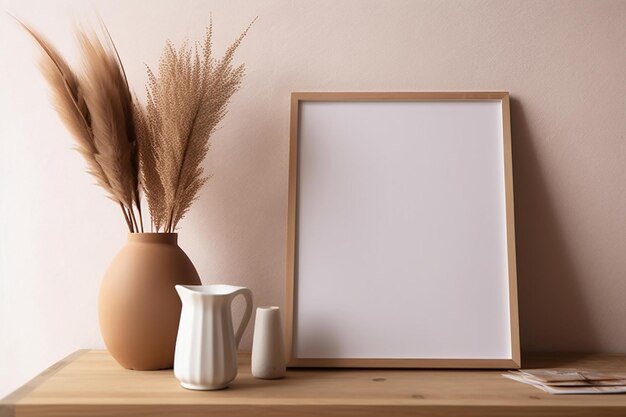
(401, 240)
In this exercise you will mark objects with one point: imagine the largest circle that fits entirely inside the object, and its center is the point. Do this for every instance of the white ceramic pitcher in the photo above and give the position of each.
(206, 345)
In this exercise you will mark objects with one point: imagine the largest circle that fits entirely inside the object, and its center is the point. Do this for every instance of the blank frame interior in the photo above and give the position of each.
(401, 242)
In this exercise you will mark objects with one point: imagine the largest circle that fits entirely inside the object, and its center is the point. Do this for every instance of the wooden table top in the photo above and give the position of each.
(91, 383)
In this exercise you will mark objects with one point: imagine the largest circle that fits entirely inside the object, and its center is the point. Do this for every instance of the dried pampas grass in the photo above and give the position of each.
(160, 146)
(185, 103)
(96, 107)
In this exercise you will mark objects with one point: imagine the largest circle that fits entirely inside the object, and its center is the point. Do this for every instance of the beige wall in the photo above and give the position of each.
(564, 63)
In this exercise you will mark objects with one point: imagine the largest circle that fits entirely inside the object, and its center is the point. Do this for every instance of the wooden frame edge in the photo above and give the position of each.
(399, 96)
(510, 230)
(291, 227)
(290, 283)
(408, 363)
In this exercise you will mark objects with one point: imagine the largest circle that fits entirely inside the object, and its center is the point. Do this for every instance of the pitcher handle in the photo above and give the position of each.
(247, 295)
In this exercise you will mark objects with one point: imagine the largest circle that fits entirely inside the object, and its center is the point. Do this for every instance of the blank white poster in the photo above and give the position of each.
(401, 231)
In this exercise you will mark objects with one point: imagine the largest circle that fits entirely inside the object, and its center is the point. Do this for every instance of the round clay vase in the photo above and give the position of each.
(138, 307)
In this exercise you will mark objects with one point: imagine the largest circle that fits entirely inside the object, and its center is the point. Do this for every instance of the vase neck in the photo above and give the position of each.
(168, 238)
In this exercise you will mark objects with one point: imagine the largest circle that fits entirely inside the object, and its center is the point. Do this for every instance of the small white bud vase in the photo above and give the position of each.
(268, 347)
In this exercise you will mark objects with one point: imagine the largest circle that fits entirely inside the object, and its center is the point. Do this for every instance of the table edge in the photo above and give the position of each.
(334, 410)
(8, 403)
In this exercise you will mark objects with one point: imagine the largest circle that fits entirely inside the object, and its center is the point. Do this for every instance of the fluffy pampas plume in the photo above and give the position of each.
(96, 107)
(186, 101)
(160, 146)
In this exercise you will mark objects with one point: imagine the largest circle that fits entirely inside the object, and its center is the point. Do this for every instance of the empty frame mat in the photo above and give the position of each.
(401, 242)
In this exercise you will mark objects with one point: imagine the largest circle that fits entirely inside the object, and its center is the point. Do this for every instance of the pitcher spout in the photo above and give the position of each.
(185, 292)
(208, 290)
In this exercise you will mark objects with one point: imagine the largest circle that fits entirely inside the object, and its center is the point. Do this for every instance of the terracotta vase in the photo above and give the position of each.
(138, 307)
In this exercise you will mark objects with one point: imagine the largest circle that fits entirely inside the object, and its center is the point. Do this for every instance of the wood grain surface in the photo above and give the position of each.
(91, 383)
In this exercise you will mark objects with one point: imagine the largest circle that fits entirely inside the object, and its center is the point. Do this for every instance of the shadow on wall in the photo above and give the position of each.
(554, 315)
